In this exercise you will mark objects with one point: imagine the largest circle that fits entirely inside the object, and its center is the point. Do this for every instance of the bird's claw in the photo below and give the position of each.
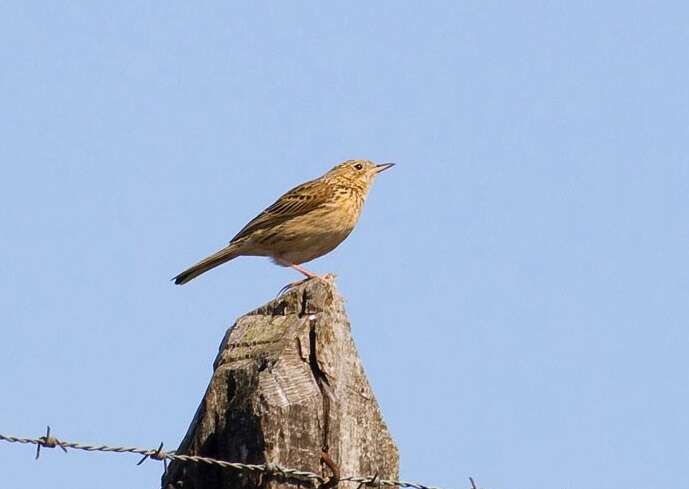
(291, 285)
(328, 277)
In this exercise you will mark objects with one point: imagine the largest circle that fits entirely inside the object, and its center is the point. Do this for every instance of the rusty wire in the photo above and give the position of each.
(49, 441)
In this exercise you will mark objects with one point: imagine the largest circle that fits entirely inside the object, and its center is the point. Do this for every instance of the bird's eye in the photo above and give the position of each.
(359, 166)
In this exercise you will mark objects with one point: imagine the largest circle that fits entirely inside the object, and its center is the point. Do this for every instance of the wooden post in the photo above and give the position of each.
(287, 385)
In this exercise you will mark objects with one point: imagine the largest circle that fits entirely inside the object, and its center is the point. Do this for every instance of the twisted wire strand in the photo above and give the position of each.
(158, 454)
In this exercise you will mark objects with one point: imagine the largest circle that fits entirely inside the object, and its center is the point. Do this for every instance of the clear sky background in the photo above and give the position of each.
(518, 284)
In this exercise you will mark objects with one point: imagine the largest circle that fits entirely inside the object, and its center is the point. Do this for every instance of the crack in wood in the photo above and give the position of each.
(323, 385)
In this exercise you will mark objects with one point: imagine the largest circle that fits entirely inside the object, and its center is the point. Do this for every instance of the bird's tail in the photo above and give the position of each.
(226, 254)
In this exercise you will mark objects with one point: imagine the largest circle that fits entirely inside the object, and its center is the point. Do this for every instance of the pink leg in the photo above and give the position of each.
(304, 271)
(298, 268)
(309, 275)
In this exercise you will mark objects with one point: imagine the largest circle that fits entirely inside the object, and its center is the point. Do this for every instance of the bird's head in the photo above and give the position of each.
(357, 173)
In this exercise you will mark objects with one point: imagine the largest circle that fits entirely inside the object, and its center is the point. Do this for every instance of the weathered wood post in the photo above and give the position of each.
(287, 385)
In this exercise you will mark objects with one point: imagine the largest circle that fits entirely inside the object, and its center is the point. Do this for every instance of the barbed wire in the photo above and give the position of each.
(49, 441)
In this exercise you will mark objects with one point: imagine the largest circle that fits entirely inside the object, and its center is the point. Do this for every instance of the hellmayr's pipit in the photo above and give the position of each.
(307, 222)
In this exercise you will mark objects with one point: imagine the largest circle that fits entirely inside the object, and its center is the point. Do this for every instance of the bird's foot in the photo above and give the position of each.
(309, 275)
(292, 285)
(328, 277)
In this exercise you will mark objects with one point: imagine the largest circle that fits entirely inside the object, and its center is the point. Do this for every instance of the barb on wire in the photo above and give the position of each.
(372, 482)
(49, 441)
(159, 454)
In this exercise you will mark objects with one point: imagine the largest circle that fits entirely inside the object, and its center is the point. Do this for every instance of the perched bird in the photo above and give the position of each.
(307, 222)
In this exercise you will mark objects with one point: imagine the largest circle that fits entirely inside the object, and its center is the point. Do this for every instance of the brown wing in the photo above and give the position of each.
(298, 201)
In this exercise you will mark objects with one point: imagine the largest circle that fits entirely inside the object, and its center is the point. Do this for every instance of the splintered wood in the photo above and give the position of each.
(287, 386)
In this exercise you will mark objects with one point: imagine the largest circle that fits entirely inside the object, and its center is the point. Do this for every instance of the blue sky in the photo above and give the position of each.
(517, 284)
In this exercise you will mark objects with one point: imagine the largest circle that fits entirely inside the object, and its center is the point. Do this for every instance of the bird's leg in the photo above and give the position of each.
(309, 275)
(303, 270)
(298, 268)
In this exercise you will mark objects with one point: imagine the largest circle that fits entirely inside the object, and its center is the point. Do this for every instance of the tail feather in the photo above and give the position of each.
(216, 259)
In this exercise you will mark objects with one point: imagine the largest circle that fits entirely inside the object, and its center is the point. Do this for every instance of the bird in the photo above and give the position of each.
(305, 223)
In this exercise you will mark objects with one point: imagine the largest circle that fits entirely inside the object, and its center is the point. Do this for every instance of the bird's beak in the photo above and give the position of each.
(383, 167)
